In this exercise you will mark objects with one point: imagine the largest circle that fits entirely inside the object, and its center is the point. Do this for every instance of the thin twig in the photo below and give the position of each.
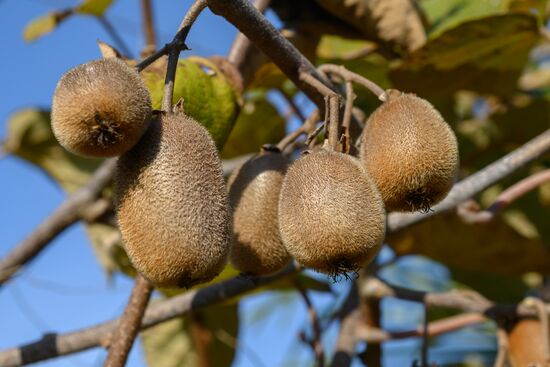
(346, 122)
(502, 354)
(349, 75)
(333, 103)
(477, 182)
(128, 327)
(469, 210)
(350, 317)
(292, 104)
(425, 338)
(315, 342)
(59, 220)
(54, 345)
(149, 33)
(176, 46)
(289, 138)
(119, 42)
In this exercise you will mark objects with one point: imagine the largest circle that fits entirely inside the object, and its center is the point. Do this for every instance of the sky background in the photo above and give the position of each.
(65, 288)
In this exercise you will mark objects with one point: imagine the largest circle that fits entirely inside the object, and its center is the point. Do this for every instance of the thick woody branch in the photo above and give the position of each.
(128, 327)
(68, 213)
(477, 182)
(263, 35)
(54, 345)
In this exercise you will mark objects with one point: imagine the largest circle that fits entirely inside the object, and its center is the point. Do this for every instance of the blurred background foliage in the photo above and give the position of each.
(485, 65)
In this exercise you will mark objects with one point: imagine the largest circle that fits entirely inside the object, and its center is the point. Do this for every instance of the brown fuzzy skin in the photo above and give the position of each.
(172, 204)
(100, 109)
(331, 215)
(254, 197)
(411, 153)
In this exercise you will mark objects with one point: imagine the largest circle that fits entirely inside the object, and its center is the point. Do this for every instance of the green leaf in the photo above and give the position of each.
(94, 7)
(207, 95)
(208, 336)
(485, 55)
(43, 25)
(259, 123)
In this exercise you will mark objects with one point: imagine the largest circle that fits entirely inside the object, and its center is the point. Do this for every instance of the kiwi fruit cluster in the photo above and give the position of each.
(254, 198)
(410, 152)
(100, 109)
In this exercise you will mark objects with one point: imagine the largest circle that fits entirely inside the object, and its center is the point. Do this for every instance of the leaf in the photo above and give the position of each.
(259, 123)
(93, 7)
(43, 25)
(207, 95)
(484, 55)
(208, 336)
(492, 247)
(397, 22)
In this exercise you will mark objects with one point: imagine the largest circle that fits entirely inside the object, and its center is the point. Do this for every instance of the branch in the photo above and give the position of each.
(315, 342)
(123, 338)
(477, 182)
(149, 33)
(255, 26)
(503, 346)
(469, 210)
(175, 47)
(350, 317)
(67, 214)
(53, 345)
(346, 122)
(349, 75)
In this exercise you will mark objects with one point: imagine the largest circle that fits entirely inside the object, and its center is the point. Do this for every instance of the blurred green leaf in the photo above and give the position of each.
(208, 336)
(259, 123)
(43, 25)
(207, 95)
(485, 55)
(94, 7)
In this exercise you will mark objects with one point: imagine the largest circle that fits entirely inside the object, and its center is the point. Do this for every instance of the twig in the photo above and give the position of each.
(349, 75)
(370, 311)
(469, 210)
(315, 342)
(60, 219)
(119, 42)
(333, 108)
(292, 104)
(346, 122)
(263, 34)
(123, 337)
(241, 45)
(350, 317)
(291, 137)
(176, 46)
(477, 182)
(502, 354)
(53, 345)
(425, 338)
(149, 33)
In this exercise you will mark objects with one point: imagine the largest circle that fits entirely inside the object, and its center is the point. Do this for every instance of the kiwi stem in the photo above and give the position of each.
(346, 123)
(178, 44)
(149, 33)
(122, 339)
(333, 108)
(349, 75)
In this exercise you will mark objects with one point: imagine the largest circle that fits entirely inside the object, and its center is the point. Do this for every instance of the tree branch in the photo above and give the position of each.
(67, 214)
(128, 327)
(349, 75)
(315, 342)
(477, 182)
(54, 345)
(149, 33)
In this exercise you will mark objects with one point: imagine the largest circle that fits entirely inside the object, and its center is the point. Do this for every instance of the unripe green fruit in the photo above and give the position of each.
(411, 153)
(172, 204)
(331, 215)
(254, 197)
(100, 109)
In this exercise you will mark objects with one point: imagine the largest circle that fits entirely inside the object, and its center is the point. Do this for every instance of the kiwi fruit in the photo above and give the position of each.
(172, 204)
(254, 197)
(100, 109)
(331, 215)
(410, 152)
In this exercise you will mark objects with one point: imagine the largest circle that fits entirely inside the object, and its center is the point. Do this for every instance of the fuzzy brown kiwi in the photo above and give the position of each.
(411, 153)
(254, 197)
(100, 109)
(172, 204)
(331, 215)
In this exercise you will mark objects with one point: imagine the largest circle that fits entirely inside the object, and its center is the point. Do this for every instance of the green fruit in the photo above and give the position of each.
(172, 204)
(100, 109)
(410, 152)
(254, 197)
(331, 215)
